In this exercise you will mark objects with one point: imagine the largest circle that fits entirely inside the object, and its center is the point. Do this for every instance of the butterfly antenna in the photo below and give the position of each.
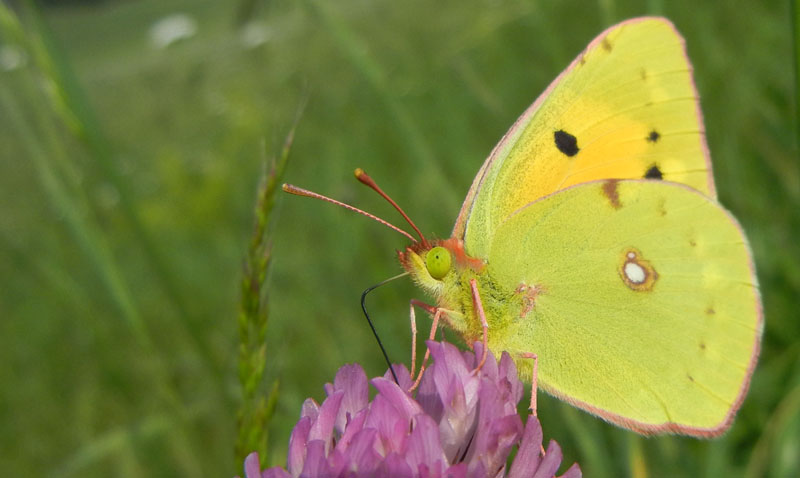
(365, 179)
(371, 326)
(291, 189)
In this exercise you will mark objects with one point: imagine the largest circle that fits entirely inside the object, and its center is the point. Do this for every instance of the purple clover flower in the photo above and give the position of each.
(461, 424)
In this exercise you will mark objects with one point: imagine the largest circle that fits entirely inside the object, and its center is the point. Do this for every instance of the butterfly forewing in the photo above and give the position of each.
(625, 108)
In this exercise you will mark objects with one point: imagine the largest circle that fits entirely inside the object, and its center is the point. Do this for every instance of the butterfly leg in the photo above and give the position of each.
(413, 317)
(534, 388)
(437, 313)
(476, 302)
(434, 326)
(534, 378)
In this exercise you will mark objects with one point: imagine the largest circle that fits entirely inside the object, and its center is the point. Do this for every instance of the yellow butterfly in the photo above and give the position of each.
(591, 240)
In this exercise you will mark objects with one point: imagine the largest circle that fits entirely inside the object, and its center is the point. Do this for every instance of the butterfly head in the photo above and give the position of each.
(436, 264)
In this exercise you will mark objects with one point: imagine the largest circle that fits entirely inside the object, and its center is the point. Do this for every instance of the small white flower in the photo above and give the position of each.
(255, 34)
(12, 57)
(172, 28)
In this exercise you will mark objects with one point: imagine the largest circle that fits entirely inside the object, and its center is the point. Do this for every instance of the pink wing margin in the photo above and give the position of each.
(500, 151)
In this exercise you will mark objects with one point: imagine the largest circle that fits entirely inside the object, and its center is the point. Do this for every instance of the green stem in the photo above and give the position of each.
(256, 409)
(796, 61)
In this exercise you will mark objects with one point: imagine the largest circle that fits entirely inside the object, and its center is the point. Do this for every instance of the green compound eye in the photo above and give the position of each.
(438, 262)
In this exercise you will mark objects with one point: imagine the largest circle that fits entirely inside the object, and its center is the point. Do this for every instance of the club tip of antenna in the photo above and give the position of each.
(364, 178)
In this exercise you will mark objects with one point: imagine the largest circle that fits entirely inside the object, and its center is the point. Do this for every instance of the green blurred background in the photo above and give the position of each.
(129, 166)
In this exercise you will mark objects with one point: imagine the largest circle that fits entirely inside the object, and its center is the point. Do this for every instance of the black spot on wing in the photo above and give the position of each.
(654, 136)
(566, 143)
(653, 173)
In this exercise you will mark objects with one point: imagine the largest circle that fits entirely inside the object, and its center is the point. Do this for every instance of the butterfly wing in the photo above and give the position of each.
(625, 108)
(647, 310)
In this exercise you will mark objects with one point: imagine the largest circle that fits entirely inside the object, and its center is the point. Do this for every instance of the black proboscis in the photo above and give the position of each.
(371, 326)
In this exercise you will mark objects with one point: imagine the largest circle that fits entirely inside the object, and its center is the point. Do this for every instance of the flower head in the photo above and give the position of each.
(461, 423)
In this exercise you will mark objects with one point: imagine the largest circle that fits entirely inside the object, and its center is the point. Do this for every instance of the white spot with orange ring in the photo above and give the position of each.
(637, 273)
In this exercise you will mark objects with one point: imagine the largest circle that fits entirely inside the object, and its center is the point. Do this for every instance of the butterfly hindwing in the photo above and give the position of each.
(646, 308)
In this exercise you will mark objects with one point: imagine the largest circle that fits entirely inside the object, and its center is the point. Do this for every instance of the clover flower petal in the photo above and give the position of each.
(460, 423)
